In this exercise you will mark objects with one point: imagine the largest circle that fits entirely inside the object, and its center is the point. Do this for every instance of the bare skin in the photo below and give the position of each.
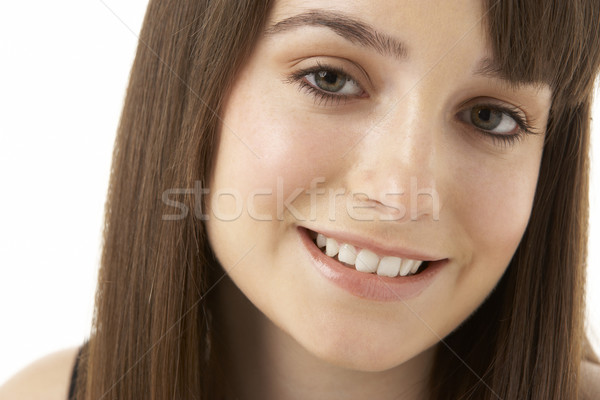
(267, 363)
(46, 379)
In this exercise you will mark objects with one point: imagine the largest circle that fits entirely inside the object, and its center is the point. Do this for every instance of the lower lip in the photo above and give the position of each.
(370, 286)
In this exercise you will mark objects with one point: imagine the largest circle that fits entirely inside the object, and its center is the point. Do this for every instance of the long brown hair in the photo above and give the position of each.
(152, 335)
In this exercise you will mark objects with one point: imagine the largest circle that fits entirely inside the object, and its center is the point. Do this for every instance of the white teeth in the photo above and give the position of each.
(389, 266)
(415, 267)
(406, 267)
(332, 247)
(366, 261)
(321, 240)
(347, 254)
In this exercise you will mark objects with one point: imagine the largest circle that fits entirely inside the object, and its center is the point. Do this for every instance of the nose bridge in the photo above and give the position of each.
(406, 134)
(397, 160)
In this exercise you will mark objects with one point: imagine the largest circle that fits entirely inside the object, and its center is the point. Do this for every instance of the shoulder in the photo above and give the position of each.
(48, 378)
(590, 381)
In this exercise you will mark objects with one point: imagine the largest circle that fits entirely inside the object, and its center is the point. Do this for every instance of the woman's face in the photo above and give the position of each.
(383, 126)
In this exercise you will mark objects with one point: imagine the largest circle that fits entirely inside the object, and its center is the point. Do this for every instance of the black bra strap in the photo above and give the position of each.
(74, 375)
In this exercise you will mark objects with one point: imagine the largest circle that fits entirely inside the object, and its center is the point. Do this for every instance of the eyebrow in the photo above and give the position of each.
(349, 28)
(359, 32)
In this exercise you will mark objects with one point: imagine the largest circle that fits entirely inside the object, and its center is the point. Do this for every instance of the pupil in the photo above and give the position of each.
(330, 78)
(485, 114)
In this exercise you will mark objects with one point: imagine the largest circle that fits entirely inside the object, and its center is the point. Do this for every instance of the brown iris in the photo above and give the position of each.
(330, 81)
(486, 118)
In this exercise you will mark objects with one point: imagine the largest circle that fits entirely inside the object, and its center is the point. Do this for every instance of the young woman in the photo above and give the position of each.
(349, 200)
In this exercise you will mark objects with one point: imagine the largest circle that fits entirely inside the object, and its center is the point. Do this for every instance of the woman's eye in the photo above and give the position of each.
(491, 119)
(333, 82)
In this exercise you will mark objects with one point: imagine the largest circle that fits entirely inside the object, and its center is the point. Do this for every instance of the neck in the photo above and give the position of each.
(263, 362)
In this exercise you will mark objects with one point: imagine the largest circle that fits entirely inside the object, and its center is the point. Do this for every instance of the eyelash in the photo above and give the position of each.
(323, 98)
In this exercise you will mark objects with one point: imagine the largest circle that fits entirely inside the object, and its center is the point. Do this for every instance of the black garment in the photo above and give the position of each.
(74, 375)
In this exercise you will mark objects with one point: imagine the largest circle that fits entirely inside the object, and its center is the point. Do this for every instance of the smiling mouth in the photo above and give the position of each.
(366, 261)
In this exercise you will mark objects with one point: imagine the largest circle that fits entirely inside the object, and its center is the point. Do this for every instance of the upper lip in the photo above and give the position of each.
(380, 247)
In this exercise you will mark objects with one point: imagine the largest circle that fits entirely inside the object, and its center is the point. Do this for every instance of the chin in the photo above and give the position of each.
(362, 348)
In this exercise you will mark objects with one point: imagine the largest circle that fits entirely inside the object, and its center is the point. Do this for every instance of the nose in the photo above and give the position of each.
(396, 160)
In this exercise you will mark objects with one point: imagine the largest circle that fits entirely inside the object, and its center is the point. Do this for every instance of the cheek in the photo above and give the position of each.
(256, 142)
(266, 146)
(265, 154)
(486, 212)
(495, 201)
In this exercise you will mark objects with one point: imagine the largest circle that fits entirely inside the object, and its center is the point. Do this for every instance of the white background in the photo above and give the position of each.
(64, 66)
